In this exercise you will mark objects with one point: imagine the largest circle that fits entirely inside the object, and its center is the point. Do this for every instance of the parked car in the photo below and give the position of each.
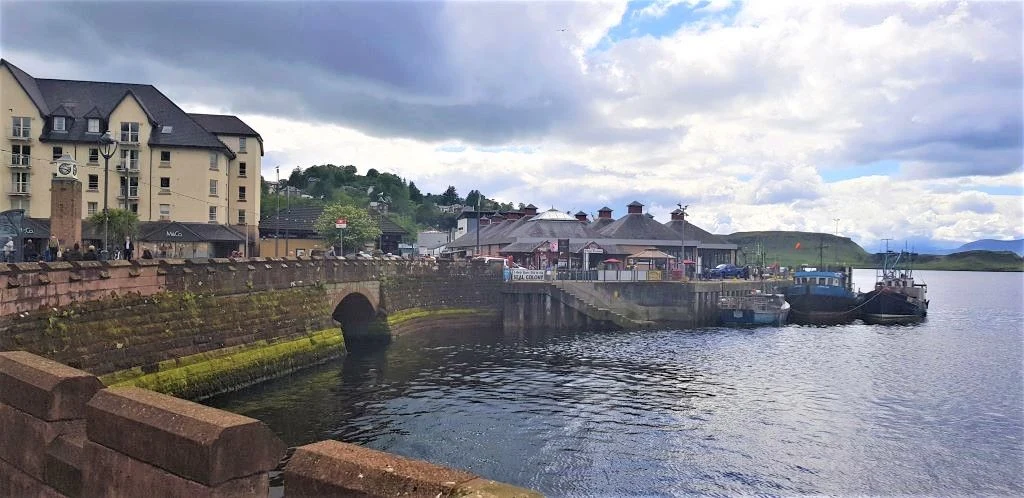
(729, 270)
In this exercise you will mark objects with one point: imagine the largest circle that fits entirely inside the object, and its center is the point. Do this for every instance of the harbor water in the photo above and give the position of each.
(935, 408)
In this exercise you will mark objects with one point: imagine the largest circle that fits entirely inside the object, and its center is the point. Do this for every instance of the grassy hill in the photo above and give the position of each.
(781, 247)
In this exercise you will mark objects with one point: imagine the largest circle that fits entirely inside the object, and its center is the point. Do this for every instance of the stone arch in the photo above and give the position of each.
(360, 323)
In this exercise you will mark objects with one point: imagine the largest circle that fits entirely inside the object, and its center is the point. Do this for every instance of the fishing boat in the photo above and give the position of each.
(896, 298)
(754, 309)
(822, 297)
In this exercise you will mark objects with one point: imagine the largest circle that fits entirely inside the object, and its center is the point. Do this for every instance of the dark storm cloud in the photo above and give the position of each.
(386, 68)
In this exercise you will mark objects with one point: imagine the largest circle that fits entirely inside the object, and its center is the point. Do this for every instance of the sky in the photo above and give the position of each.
(900, 120)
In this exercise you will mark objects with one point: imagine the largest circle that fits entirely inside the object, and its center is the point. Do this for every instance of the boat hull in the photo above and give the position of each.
(814, 305)
(751, 318)
(885, 307)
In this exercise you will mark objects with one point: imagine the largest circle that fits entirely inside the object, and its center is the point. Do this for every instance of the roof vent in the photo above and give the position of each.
(167, 129)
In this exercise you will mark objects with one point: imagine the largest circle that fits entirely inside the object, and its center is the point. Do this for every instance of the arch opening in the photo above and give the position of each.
(359, 322)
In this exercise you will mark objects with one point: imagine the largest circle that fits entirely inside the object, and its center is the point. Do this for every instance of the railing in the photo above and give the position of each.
(23, 133)
(131, 168)
(521, 274)
(21, 161)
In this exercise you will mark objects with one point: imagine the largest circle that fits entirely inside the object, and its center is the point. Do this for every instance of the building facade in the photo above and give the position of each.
(169, 166)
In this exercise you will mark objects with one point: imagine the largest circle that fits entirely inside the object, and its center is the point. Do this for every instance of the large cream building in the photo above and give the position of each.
(190, 170)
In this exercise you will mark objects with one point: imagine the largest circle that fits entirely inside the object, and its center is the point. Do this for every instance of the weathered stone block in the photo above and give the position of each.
(332, 468)
(16, 483)
(106, 473)
(24, 439)
(44, 388)
(197, 442)
(63, 465)
(486, 488)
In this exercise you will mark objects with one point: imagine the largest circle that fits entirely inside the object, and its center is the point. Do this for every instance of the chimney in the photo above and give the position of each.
(604, 213)
(530, 210)
(635, 208)
(581, 216)
(677, 215)
(484, 221)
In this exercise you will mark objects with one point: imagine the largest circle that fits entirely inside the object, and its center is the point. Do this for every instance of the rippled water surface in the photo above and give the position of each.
(929, 409)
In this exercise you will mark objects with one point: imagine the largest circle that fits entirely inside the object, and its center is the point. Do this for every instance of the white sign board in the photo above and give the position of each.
(523, 274)
(341, 223)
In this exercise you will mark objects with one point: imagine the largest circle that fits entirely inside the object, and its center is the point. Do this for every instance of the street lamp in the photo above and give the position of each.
(108, 146)
(682, 235)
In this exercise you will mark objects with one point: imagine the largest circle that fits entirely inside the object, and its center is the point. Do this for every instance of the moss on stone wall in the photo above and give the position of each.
(403, 316)
(207, 374)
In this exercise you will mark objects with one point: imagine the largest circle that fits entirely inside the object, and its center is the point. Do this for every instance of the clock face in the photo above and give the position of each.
(65, 169)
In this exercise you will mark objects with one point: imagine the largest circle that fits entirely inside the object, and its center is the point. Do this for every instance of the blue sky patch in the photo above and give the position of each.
(635, 25)
(838, 174)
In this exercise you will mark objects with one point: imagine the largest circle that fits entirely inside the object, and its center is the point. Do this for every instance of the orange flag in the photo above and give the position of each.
(797, 246)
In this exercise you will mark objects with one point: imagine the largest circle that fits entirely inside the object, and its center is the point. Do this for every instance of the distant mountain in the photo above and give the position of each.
(1015, 246)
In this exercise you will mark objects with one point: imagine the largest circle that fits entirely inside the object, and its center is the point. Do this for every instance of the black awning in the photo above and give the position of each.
(35, 228)
(169, 232)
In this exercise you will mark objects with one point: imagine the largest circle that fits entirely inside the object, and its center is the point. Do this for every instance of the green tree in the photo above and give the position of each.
(414, 193)
(449, 197)
(361, 227)
(372, 173)
(122, 223)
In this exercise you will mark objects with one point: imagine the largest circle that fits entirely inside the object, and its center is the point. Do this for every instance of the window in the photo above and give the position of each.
(92, 208)
(242, 170)
(94, 125)
(241, 216)
(241, 145)
(94, 183)
(241, 193)
(166, 129)
(58, 152)
(59, 123)
(165, 156)
(165, 184)
(130, 132)
(21, 155)
(21, 127)
(165, 211)
(213, 214)
(130, 185)
(213, 187)
(213, 160)
(129, 159)
(20, 203)
(94, 156)
(133, 207)
(20, 182)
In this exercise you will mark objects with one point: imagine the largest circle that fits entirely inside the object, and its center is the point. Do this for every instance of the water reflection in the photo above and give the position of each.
(929, 409)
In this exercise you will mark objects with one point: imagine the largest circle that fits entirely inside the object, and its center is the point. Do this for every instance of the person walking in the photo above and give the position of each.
(129, 249)
(52, 247)
(9, 250)
(29, 253)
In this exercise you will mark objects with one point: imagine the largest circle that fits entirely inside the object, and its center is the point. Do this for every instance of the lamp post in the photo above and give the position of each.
(477, 224)
(682, 235)
(108, 146)
(277, 191)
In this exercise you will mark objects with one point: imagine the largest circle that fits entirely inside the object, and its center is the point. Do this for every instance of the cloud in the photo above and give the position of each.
(740, 115)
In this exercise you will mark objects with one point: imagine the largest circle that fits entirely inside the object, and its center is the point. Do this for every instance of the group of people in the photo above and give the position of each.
(54, 252)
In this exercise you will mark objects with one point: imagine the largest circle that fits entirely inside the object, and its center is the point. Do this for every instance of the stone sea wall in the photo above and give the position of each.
(64, 435)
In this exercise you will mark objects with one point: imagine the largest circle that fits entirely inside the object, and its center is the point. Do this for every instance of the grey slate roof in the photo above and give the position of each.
(637, 226)
(79, 100)
(223, 124)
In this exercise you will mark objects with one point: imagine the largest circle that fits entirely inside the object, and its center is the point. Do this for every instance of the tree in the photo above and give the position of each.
(449, 197)
(361, 227)
(414, 193)
(372, 173)
(473, 196)
(122, 223)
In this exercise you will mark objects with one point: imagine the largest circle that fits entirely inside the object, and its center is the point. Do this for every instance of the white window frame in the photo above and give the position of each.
(165, 212)
(21, 126)
(243, 170)
(20, 182)
(214, 160)
(130, 187)
(60, 123)
(89, 185)
(241, 192)
(94, 159)
(162, 187)
(213, 214)
(19, 157)
(21, 203)
(241, 145)
(92, 125)
(162, 161)
(130, 132)
(213, 188)
(91, 208)
(57, 155)
(130, 159)
(241, 217)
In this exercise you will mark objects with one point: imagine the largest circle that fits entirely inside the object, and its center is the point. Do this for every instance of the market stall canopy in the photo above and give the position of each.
(651, 253)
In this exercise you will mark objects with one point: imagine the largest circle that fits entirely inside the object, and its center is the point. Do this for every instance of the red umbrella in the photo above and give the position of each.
(689, 262)
(611, 260)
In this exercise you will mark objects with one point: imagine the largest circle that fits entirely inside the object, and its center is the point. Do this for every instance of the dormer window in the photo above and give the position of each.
(94, 125)
(59, 123)
(130, 132)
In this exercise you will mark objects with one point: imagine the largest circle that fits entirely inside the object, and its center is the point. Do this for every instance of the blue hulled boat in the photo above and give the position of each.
(822, 297)
(753, 310)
